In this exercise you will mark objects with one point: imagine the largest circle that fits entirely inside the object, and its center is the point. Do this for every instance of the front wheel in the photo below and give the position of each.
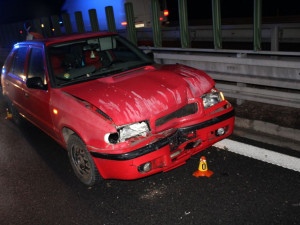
(82, 162)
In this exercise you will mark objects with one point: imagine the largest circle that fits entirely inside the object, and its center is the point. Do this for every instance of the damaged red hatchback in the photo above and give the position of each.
(119, 115)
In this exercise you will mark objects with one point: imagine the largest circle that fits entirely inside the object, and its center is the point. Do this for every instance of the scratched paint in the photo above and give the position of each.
(199, 80)
(163, 95)
(178, 97)
(111, 105)
(145, 104)
(193, 88)
(132, 112)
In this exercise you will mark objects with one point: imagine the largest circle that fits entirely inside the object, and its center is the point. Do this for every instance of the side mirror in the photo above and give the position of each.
(35, 83)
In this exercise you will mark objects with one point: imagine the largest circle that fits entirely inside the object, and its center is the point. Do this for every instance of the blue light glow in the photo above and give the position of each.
(71, 6)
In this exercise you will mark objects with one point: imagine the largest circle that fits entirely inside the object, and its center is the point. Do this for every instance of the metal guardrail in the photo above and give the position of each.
(268, 77)
(261, 95)
(284, 32)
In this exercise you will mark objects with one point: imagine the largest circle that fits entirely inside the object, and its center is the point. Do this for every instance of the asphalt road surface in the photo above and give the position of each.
(38, 187)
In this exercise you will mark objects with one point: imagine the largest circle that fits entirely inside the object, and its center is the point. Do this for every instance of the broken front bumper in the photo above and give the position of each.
(166, 153)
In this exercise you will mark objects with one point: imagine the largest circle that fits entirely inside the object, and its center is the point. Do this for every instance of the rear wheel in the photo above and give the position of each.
(16, 117)
(82, 162)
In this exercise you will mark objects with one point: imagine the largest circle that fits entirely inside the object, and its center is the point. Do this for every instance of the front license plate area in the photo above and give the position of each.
(178, 138)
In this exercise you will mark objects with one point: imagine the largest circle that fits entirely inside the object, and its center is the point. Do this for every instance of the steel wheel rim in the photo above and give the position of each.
(81, 161)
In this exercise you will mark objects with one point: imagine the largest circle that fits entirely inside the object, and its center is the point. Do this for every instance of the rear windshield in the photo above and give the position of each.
(86, 59)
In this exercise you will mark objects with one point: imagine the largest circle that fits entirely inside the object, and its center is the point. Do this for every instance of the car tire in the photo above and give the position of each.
(82, 162)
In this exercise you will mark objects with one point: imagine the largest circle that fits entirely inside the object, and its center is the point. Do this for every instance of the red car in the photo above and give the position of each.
(119, 115)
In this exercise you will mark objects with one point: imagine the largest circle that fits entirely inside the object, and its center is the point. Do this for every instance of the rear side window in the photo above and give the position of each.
(36, 64)
(18, 62)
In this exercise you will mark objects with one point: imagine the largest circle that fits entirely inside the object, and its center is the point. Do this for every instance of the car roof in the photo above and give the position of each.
(64, 38)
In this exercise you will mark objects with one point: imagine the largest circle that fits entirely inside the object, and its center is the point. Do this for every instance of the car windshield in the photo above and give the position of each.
(86, 59)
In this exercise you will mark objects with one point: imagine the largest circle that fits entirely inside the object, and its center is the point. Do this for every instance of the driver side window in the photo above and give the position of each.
(36, 65)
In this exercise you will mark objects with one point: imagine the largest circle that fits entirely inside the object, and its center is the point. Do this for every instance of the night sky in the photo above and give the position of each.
(20, 10)
(236, 9)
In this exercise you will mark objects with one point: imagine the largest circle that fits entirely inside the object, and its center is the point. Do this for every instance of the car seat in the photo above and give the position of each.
(92, 58)
(57, 65)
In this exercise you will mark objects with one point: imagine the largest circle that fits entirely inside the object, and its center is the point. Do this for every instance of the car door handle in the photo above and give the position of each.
(26, 95)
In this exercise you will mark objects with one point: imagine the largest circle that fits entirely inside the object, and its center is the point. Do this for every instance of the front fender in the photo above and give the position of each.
(72, 114)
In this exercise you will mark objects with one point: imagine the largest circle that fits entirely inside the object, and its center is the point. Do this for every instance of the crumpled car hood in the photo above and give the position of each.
(139, 94)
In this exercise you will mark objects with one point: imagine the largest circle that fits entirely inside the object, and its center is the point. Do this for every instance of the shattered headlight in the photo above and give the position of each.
(127, 131)
(212, 98)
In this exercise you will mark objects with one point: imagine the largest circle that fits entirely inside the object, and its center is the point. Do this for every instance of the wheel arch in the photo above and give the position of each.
(66, 133)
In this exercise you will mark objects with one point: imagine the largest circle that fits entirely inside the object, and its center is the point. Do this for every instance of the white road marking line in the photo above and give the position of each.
(286, 161)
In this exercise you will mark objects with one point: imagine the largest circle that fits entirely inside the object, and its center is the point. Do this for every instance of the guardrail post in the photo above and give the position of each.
(216, 13)
(20, 30)
(56, 25)
(67, 23)
(110, 18)
(37, 26)
(9, 33)
(17, 28)
(275, 38)
(130, 23)
(238, 100)
(257, 25)
(46, 26)
(156, 23)
(184, 26)
(94, 20)
(2, 37)
(6, 39)
(79, 22)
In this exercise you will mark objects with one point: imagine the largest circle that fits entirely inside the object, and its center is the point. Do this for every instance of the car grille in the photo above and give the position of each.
(182, 112)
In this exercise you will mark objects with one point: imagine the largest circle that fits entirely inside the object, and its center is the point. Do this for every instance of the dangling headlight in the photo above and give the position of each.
(127, 131)
(212, 98)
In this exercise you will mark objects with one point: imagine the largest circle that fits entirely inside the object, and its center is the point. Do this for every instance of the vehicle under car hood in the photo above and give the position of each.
(139, 94)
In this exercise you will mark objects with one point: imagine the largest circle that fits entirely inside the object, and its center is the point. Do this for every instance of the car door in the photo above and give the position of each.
(37, 100)
(15, 78)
